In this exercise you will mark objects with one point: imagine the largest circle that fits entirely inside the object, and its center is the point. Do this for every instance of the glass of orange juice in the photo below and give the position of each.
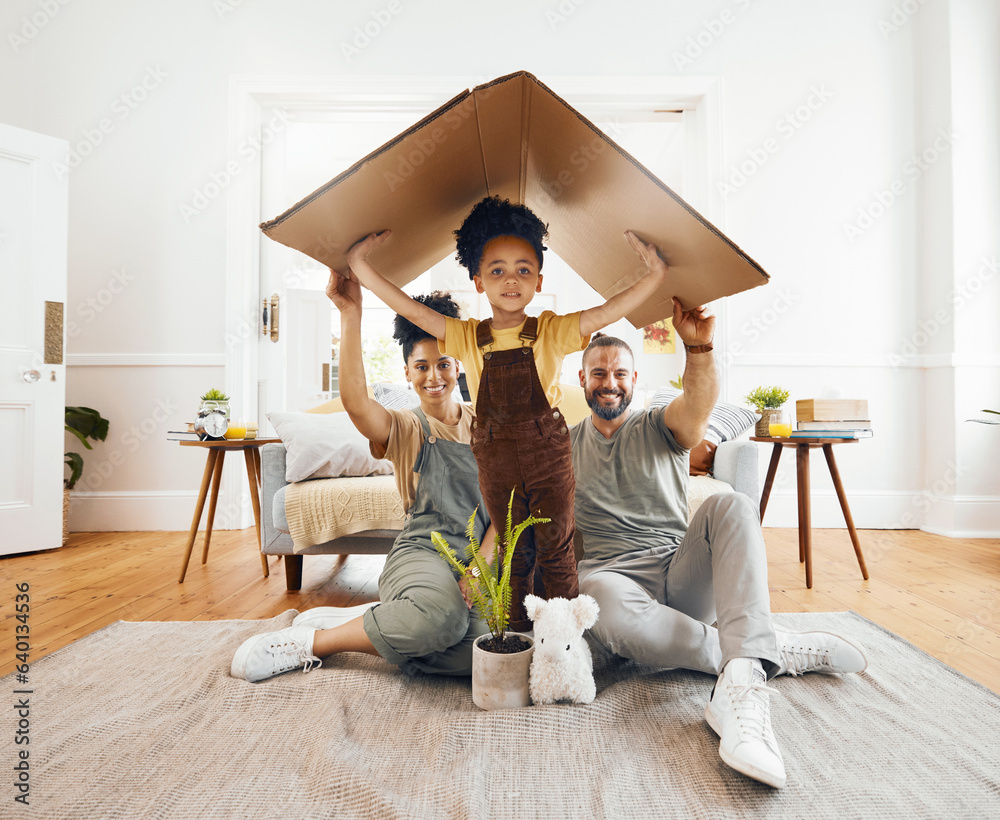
(779, 425)
(237, 430)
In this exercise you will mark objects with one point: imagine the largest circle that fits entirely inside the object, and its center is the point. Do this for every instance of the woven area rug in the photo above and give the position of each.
(141, 720)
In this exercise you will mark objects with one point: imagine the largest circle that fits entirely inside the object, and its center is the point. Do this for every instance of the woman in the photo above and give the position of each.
(423, 621)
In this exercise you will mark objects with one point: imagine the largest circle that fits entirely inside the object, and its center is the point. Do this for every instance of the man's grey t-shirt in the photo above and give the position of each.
(631, 489)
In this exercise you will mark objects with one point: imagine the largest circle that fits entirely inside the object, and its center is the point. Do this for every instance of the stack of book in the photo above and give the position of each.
(832, 418)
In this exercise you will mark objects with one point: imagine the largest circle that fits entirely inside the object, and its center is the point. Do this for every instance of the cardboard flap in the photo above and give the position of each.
(516, 139)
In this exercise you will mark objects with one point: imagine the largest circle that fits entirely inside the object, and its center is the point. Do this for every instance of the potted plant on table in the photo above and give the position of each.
(501, 661)
(84, 423)
(768, 401)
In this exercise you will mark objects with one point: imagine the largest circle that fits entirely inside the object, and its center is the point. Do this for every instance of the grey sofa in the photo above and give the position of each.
(735, 464)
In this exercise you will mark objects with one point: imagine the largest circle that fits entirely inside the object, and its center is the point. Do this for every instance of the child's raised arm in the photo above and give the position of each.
(619, 305)
(422, 316)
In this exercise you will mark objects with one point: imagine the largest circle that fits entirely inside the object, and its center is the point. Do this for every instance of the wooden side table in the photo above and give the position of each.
(213, 473)
(802, 447)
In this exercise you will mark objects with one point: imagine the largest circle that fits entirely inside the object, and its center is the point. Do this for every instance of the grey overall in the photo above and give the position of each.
(422, 622)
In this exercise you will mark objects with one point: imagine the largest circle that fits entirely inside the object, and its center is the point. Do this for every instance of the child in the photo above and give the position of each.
(512, 363)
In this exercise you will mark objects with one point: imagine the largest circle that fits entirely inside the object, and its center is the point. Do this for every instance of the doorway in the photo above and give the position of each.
(668, 123)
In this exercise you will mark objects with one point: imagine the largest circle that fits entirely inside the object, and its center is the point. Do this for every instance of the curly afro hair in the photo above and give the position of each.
(408, 334)
(493, 217)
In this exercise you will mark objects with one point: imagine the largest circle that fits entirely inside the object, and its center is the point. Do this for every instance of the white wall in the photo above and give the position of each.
(824, 104)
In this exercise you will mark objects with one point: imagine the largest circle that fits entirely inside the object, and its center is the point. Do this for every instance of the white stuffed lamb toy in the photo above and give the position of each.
(562, 667)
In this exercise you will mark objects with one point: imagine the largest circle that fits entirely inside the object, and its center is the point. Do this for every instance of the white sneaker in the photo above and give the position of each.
(739, 712)
(270, 654)
(327, 617)
(818, 652)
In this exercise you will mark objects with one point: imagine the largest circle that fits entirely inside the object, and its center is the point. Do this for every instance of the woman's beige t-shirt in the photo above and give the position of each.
(405, 440)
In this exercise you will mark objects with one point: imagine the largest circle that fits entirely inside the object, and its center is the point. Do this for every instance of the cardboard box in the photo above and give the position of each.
(515, 138)
(831, 410)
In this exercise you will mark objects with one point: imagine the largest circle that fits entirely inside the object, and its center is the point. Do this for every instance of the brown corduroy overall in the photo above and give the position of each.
(522, 444)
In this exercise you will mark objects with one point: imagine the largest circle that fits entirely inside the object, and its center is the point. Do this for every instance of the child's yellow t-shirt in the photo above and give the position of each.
(558, 336)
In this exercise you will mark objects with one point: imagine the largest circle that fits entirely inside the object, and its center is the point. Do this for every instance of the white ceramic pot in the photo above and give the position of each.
(500, 681)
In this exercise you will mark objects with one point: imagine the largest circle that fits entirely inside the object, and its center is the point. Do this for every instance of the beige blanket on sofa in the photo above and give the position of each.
(324, 509)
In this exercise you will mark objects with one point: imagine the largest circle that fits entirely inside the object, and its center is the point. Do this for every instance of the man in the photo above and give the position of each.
(660, 581)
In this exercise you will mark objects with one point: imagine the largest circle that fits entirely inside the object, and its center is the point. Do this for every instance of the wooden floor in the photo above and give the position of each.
(941, 594)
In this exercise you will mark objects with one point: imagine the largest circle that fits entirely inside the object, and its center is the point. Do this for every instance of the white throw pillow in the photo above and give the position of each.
(727, 422)
(324, 445)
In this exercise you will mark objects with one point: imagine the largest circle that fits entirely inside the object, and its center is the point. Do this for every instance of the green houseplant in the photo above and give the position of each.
(215, 400)
(84, 423)
(501, 662)
(766, 400)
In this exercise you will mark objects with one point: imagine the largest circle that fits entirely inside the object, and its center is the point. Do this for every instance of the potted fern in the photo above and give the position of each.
(767, 400)
(501, 660)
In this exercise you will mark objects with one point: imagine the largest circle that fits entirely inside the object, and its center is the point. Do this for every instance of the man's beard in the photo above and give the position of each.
(605, 412)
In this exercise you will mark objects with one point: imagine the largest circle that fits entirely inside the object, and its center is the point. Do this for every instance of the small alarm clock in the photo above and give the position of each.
(211, 425)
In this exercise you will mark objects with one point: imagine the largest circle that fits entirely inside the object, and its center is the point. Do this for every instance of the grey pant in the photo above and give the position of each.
(422, 622)
(657, 605)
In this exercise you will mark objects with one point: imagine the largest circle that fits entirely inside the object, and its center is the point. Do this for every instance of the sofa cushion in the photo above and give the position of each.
(727, 422)
(701, 458)
(324, 446)
(701, 488)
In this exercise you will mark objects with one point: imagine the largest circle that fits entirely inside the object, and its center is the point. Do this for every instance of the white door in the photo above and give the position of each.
(33, 216)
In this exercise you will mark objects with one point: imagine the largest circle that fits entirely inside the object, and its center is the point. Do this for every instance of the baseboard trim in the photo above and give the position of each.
(162, 511)
(954, 517)
(962, 516)
(870, 511)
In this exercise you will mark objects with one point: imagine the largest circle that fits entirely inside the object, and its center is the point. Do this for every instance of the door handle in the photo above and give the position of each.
(31, 376)
(274, 317)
